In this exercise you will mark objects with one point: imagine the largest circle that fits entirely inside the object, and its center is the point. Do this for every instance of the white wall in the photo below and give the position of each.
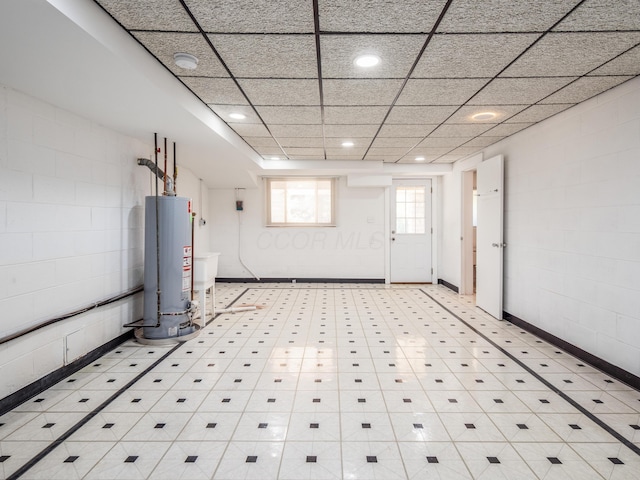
(71, 233)
(572, 225)
(352, 249)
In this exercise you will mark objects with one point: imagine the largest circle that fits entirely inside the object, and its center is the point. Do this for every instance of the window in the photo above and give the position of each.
(410, 209)
(301, 201)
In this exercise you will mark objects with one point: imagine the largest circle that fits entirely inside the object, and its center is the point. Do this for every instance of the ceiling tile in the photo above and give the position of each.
(584, 88)
(562, 54)
(221, 91)
(518, 91)
(537, 113)
(440, 91)
(343, 157)
(482, 141)
(150, 15)
(305, 157)
(603, 15)
(352, 115)
(397, 53)
(448, 158)
(309, 142)
(388, 130)
(464, 150)
(296, 130)
(429, 151)
(460, 130)
(468, 56)
(261, 142)
(315, 152)
(381, 158)
(419, 115)
(350, 131)
(164, 45)
(504, 15)
(223, 111)
(268, 151)
(281, 91)
(359, 143)
(387, 152)
(378, 15)
(411, 158)
(465, 114)
(268, 56)
(250, 129)
(360, 91)
(342, 152)
(253, 16)
(437, 142)
(400, 142)
(290, 115)
(626, 64)
(506, 129)
(389, 158)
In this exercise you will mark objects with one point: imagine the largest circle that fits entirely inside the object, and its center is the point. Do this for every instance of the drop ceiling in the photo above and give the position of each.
(288, 67)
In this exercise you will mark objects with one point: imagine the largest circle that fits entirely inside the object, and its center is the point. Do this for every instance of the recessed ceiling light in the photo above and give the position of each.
(420, 159)
(484, 116)
(366, 61)
(185, 60)
(274, 158)
(347, 144)
(237, 116)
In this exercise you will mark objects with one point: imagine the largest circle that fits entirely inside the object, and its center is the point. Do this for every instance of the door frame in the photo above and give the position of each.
(435, 203)
(466, 233)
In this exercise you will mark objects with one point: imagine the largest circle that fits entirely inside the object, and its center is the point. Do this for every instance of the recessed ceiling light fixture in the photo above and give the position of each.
(185, 60)
(237, 116)
(347, 143)
(274, 158)
(482, 116)
(420, 159)
(366, 61)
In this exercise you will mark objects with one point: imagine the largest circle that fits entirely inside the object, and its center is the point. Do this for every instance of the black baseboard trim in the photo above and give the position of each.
(450, 286)
(10, 402)
(608, 368)
(299, 280)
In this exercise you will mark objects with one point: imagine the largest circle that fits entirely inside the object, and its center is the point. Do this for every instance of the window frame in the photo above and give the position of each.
(334, 191)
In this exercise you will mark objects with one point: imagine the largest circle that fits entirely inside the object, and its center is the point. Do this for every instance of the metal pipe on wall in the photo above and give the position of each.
(158, 291)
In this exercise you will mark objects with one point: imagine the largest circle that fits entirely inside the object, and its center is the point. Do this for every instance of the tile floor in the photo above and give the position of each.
(332, 381)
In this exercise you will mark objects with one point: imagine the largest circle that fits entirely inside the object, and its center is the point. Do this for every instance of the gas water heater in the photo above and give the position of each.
(168, 309)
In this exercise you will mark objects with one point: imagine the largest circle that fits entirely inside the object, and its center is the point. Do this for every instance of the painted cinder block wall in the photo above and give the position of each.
(71, 233)
(572, 225)
(353, 249)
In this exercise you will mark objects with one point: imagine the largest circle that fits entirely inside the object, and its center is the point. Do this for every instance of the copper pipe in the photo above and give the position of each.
(165, 166)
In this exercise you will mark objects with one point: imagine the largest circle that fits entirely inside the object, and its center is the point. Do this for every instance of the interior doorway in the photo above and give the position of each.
(469, 232)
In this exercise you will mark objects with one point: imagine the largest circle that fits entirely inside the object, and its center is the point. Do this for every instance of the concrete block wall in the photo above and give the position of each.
(71, 233)
(572, 225)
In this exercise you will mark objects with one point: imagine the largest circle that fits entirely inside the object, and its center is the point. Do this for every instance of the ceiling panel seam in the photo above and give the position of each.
(413, 67)
(498, 74)
(224, 65)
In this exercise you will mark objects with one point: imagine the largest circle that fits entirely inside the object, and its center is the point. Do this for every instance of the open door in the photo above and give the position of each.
(490, 240)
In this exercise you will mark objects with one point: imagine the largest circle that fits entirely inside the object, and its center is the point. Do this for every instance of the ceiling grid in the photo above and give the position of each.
(281, 73)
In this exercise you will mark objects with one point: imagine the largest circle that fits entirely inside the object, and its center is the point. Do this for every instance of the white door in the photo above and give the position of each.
(410, 216)
(490, 243)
